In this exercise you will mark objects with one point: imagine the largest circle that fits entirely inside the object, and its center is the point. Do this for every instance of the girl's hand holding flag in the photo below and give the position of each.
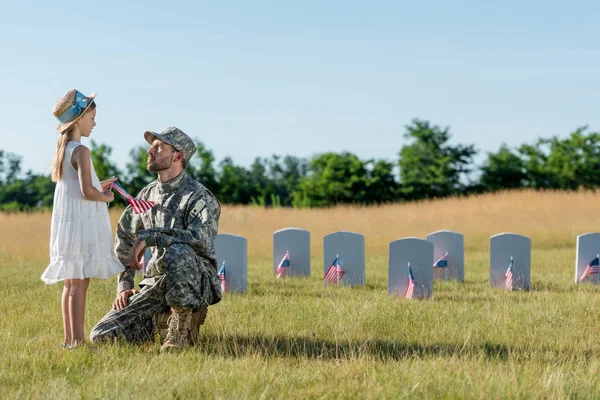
(107, 184)
(138, 205)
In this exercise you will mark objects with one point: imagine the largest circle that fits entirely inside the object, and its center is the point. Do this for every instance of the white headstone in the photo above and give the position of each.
(451, 245)
(296, 242)
(588, 248)
(503, 246)
(419, 253)
(350, 247)
(232, 250)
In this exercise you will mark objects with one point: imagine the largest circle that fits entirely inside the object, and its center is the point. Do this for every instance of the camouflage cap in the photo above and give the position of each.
(176, 138)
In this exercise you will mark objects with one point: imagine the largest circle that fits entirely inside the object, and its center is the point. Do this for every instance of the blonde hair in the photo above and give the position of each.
(59, 156)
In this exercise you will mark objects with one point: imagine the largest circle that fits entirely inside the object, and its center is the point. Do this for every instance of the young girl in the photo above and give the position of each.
(81, 243)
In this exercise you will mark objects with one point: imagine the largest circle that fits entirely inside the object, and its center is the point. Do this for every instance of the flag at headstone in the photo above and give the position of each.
(508, 276)
(335, 272)
(410, 289)
(283, 265)
(222, 278)
(592, 268)
(138, 205)
(442, 262)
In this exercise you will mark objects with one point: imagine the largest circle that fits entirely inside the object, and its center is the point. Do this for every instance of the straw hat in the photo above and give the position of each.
(71, 106)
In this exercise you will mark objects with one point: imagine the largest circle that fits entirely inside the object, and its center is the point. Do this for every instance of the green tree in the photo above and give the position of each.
(104, 167)
(10, 167)
(202, 167)
(382, 186)
(262, 188)
(574, 162)
(138, 175)
(284, 174)
(534, 159)
(234, 183)
(502, 170)
(333, 179)
(429, 166)
(30, 192)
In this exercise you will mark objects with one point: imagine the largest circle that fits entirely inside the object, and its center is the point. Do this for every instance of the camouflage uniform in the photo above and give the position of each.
(181, 229)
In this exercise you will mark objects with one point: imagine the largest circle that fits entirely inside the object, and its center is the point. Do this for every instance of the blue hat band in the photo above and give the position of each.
(81, 103)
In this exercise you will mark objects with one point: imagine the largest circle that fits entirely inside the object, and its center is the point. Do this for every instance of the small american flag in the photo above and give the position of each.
(222, 278)
(591, 268)
(442, 262)
(138, 205)
(410, 289)
(335, 272)
(508, 276)
(283, 265)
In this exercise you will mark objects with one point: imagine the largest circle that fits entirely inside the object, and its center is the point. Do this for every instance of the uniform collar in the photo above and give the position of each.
(172, 184)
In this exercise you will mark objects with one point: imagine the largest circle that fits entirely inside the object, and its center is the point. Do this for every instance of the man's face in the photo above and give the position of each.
(160, 156)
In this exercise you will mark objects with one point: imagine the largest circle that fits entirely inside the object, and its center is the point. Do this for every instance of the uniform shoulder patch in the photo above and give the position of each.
(197, 210)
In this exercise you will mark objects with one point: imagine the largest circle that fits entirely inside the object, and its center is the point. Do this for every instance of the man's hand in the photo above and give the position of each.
(106, 184)
(122, 299)
(135, 254)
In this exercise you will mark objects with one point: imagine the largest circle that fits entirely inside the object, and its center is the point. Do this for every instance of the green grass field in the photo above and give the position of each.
(298, 339)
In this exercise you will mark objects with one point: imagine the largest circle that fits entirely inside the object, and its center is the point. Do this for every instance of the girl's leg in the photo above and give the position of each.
(77, 309)
(65, 312)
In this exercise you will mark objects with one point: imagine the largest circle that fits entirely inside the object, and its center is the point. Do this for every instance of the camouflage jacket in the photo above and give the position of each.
(185, 212)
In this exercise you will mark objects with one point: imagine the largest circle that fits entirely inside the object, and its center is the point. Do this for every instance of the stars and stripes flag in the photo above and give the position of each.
(335, 272)
(442, 262)
(222, 278)
(592, 268)
(410, 289)
(138, 205)
(508, 276)
(283, 265)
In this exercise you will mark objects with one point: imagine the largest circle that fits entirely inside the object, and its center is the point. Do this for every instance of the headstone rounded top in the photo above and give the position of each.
(345, 232)
(444, 231)
(511, 234)
(588, 234)
(290, 229)
(232, 235)
(408, 238)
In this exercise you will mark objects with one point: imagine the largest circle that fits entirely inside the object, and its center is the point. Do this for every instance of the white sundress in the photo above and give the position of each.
(81, 243)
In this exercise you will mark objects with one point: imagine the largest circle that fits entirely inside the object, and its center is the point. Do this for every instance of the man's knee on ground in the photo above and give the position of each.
(99, 335)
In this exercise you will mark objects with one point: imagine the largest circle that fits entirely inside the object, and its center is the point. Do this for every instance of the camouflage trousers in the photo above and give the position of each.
(186, 283)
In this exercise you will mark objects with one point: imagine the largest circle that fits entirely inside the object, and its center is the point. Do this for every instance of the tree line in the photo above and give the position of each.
(428, 167)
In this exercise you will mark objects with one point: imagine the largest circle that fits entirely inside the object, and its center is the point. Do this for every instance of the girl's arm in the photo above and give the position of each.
(81, 162)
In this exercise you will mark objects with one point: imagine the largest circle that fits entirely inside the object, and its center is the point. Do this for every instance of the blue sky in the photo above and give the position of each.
(251, 79)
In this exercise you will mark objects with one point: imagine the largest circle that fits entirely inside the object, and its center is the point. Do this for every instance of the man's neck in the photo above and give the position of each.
(169, 174)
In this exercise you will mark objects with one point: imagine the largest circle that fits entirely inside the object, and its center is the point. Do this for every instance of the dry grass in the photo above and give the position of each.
(298, 339)
(551, 219)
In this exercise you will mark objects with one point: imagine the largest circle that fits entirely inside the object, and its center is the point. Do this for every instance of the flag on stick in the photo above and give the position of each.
(508, 276)
(335, 272)
(410, 289)
(283, 265)
(138, 205)
(222, 278)
(442, 262)
(592, 268)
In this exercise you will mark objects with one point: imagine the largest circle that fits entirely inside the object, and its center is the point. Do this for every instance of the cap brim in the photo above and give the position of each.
(151, 136)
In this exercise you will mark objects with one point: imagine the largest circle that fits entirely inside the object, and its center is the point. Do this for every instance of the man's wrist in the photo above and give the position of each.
(124, 285)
